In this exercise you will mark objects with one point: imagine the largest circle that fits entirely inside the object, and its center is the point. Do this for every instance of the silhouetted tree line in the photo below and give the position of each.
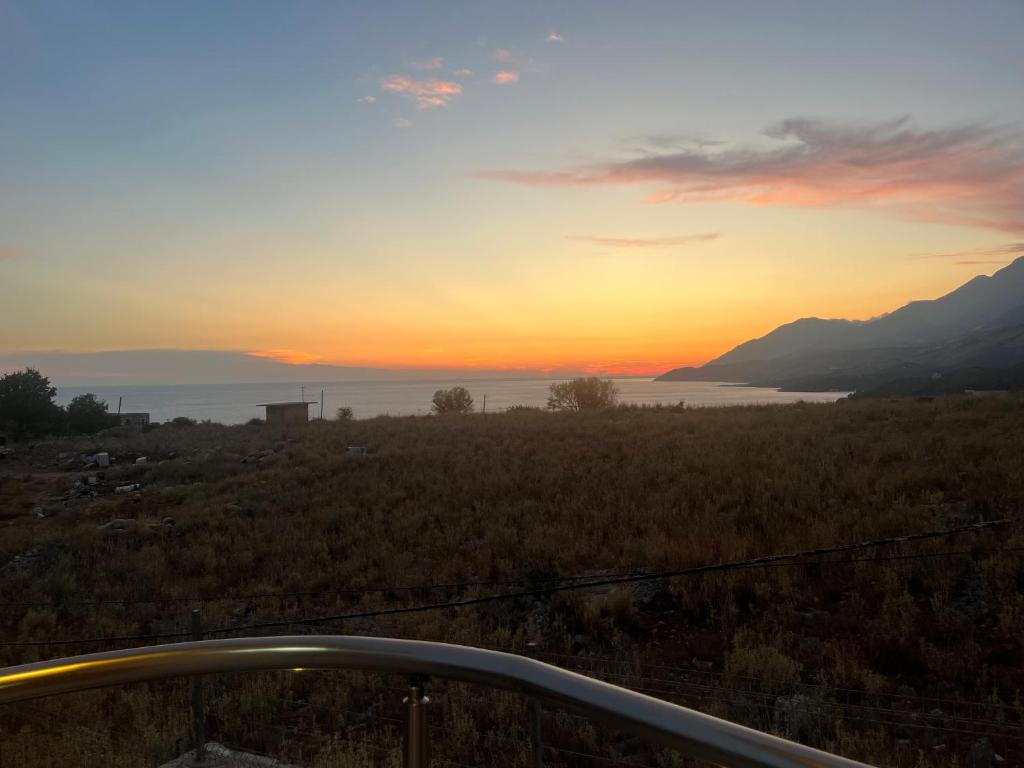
(28, 408)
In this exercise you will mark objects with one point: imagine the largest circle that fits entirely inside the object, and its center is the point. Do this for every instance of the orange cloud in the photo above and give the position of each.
(503, 78)
(9, 252)
(426, 93)
(290, 356)
(647, 242)
(971, 175)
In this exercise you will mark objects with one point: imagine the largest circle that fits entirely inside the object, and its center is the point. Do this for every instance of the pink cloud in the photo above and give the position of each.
(8, 252)
(554, 37)
(434, 62)
(503, 54)
(971, 175)
(426, 93)
(647, 242)
(401, 122)
(462, 72)
(505, 77)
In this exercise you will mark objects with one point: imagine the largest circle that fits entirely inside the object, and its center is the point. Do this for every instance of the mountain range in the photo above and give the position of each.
(979, 326)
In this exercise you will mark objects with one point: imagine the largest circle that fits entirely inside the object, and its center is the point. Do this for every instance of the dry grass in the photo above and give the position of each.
(448, 499)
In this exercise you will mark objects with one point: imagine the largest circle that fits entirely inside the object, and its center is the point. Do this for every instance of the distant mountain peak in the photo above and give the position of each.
(983, 302)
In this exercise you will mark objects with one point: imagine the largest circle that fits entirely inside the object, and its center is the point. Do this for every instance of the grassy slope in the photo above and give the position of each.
(450, 499)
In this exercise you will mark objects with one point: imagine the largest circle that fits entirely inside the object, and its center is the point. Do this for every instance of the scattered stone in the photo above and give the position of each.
(141, 460)
(357, 450)
(117, 525)
(27, 559)
(129, 488)
(101, 459)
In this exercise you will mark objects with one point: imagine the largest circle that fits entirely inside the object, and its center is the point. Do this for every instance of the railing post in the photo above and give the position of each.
(536, 744)
(198, 707)
(416, 753)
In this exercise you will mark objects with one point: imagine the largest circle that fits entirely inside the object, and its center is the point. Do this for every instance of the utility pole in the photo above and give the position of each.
(321, 405)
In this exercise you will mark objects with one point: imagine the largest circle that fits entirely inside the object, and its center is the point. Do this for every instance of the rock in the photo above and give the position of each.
(116, 526)
(141, 460)
(129, 488)
(794, 716)
(651, 593)
(27, 559)
(981, 754)
(101, 459)
(232, 507)
(356, 450)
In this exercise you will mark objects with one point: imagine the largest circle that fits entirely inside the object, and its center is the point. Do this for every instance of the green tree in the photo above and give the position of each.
(583, 395)
(344, 413)
(26, 404)
(87, 414)
(454, 400)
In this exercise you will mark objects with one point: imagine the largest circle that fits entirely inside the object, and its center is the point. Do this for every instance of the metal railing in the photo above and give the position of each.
(693, 734)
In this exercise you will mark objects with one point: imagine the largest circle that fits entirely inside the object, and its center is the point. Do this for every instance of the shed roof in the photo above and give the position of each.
(296, 402)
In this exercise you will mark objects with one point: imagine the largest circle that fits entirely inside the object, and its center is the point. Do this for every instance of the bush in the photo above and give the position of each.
(583, 395)
(345, 413)
(454, 400)
(182, 421)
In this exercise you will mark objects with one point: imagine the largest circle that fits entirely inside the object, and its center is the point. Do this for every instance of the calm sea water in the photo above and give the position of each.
(237, 403)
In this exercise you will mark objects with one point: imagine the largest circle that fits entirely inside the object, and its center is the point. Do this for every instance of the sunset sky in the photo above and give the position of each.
(596, 186)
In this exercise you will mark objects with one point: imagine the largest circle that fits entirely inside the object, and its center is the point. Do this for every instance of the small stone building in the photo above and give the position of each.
(133, 420)
(287, 414)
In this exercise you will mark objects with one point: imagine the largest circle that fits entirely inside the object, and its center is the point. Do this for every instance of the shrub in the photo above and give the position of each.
(583, 395)
(345, 413)
(454, 400)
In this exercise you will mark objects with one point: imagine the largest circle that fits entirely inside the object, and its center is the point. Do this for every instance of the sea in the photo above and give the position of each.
(237, 403)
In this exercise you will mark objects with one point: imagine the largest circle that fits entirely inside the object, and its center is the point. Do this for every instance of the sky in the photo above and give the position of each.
(607, 187)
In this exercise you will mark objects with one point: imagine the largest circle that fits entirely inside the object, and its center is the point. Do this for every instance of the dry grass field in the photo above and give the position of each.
(903, 655)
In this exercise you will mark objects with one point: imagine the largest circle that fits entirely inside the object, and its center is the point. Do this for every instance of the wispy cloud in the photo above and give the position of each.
(434, 62)
(462, 72)
(367, 99)
(289, 356)
(970, 175)
(503, 54)
(977, 262)
(8, 252)
(402, 122)
(554, 37)
(646, 242)
(505, 77)
(426, 93)
(1010, 249)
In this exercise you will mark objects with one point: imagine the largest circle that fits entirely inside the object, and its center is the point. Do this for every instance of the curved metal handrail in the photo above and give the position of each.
(692, 733)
